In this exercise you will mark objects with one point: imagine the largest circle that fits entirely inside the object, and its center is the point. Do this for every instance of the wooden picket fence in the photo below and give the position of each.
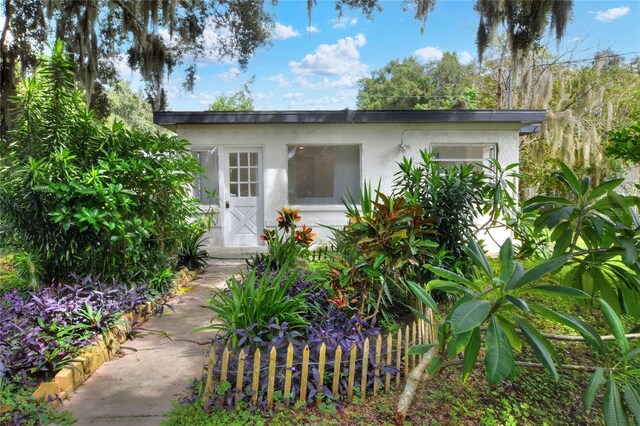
(390, 350)
(319, 253)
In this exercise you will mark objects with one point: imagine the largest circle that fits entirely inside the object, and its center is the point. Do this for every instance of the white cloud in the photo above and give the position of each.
(465, 57)
(280, 79)
(341, 58)
(343, 21)
(124, 71)
(293, 95)
(344, 82)
(340, 100)
(231, 74)
(206, 98)
(9, 38)
(429, 53)
(283, 32)
(261, 96)
(212, 38)
(612, 14)
(312, 29)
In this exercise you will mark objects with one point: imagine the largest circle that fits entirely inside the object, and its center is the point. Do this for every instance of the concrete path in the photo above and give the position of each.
(138, 388)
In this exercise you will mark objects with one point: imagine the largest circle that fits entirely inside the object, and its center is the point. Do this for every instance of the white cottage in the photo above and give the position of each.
(259, 161)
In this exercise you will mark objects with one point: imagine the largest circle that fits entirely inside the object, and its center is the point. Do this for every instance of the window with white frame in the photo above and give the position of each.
(457, 154)
(207, 185)
(322, 174)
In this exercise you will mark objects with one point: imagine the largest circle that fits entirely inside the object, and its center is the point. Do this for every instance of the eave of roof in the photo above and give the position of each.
(526, 118)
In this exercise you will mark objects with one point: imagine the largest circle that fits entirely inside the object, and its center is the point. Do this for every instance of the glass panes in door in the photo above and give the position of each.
(243, 174)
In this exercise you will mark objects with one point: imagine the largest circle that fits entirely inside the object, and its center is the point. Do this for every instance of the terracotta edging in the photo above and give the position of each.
(77, 371)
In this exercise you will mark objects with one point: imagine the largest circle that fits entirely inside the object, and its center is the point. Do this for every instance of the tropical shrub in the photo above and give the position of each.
(384, 244)
(191, 254)
(44, 329)
(85, 197)
(258, 300)
(505, 307)
(600, 229)
(453, 197)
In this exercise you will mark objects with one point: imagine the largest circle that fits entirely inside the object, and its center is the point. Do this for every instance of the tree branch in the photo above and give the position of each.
(532, 365)
(572, 338)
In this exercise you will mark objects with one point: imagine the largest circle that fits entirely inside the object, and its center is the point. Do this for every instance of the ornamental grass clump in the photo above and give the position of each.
(254, 302)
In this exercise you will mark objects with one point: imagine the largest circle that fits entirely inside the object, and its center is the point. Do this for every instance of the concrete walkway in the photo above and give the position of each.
(138, 388)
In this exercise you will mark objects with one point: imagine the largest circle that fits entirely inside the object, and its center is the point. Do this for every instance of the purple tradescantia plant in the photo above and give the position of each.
(42, 330)
(334, 328)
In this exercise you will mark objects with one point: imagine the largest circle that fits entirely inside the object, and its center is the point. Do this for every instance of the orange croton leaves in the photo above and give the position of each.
(305, 235)
(287, 219)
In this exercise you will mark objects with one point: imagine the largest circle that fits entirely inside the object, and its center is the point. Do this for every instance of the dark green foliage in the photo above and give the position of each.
(256, 301)
(84, 197)
(408, 84)
(601, 230)
(453, 198)
(624, 143)
(191, 254)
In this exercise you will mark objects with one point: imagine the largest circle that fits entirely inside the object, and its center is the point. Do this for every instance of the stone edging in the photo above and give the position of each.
(77, 371)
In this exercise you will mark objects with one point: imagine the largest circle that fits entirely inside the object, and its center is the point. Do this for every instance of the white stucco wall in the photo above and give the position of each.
(379, 150)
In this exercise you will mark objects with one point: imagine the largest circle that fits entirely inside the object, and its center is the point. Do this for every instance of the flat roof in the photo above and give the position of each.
(530, 120)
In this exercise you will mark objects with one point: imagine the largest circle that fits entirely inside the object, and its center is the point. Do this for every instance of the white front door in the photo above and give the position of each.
(243, 211)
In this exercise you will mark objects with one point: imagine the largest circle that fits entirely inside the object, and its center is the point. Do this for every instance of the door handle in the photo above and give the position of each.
(226, 204)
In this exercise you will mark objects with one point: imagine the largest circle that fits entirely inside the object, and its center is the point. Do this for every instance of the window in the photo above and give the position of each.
(207, 183)
(322, 174)
(463, 154)
(243, 174)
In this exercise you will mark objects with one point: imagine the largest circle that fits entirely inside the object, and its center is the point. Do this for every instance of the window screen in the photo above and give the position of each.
(206, 187)
(319, 174)
(463, 154)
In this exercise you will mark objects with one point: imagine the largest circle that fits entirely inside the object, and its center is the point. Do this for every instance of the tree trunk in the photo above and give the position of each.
(417, 375)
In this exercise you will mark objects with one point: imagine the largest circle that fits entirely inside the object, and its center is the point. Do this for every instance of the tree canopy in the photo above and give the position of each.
(242, 100)
(584, 101)
(407, 83)
(156, 36)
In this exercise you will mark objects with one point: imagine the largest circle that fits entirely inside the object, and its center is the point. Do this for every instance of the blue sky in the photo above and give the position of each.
(318, 67)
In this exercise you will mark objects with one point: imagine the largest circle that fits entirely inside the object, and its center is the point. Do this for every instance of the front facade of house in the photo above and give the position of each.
(258, 162)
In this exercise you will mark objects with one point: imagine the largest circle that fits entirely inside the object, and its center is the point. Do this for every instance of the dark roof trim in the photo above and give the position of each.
(523, 117)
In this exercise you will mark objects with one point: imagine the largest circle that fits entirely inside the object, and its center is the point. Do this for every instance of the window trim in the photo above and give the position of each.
(493, 145)
(315, 206)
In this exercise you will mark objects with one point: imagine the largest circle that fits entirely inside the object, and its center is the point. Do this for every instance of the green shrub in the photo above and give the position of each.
(384, 244)
(84, 197)
(254, 301)
(191, 254)
(453, 197)
(27, 410)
